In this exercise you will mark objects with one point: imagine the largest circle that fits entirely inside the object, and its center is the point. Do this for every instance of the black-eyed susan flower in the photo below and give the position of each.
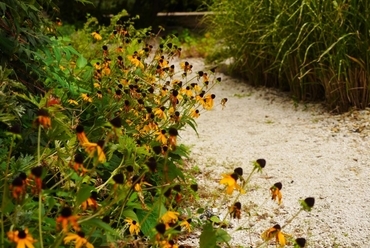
(300, 243)
(173, 136)
(79, 240)
(134, 227)
(186, 224)
(18, 188)
(86, 97)
(223, 102)
(136, 61)
(22, 238)
(235, 210)
(99, 94)
(96, 35)
(118, 179)
(91, 202)
(276, 192)
(194, 187)
(259, 164)
(230, 180)
(81, 136)
(208, 101)
(195, 113)
(105, 50)
(170, 217)
(67, 218)
(186, 66)
(308, 203)
(36, 173)
(187, 91)
(95, 149)
(173, 98)
(43, 118)
(274, 232)
(161, 136)
(160, 112)
(161, 230)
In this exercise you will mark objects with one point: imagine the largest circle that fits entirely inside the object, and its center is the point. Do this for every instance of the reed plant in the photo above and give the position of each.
(315, 49)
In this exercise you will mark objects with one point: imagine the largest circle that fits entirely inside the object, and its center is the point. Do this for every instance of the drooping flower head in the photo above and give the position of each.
(276, 192)
(43, 118)
(274, 232)
(22, 238)
(67, 218)
(36, 173)
(79, 240)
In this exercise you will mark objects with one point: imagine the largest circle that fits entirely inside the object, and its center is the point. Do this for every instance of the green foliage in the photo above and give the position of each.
(314, 49)
(99, 146)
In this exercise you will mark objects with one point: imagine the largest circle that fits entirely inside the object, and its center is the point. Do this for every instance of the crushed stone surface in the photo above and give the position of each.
(311, 152)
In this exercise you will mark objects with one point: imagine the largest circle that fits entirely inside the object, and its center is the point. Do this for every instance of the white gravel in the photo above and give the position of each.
(312, 152)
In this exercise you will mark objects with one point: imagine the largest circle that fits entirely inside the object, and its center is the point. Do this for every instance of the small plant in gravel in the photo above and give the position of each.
(94, 161)
(214, 234)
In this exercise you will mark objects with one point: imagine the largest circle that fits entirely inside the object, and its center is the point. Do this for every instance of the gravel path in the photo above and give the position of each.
(311, 152)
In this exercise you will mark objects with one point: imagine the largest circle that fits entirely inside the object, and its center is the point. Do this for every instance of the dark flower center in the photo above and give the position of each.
(66, 212)
(22, 234)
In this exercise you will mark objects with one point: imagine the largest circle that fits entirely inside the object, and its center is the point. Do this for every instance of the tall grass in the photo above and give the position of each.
(316, 49)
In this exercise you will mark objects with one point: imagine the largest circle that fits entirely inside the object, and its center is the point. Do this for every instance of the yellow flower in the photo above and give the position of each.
(43, 118)
(95, 148)
(274, 232)
(170, 217)
(160, 113)
(195, 113)
(276, 193)
(134, 226)
(96, 35)
(186, 224)
(21, 238)
(208, 101)
(79, 239)
(72, 102)
(230, 181)
(136, 61)
(161, 136)
(86, 97)
(66, 217)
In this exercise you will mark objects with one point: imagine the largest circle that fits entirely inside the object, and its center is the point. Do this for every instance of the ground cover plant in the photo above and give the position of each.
(91, 158)
(315, 49)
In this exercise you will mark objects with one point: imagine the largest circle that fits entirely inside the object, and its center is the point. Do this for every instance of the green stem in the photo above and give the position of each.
(291, 219)
(5, 191)
(40, 220)
(40, 195)
(38, 146)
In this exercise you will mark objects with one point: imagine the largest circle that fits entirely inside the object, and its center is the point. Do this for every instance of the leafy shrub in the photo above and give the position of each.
(104, 166)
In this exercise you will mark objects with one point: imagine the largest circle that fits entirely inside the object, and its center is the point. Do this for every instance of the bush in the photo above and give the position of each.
(315, 49)
(104, 166)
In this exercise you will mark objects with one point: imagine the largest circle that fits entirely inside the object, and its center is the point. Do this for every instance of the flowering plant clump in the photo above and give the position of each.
(104, 167)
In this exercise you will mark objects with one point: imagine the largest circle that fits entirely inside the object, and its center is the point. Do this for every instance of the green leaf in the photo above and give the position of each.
(58, 55)
(208, 237)
(174, 172)
(83, 194)
(99, 223)
(150, 219)
(81, 62)
(129, 213)
(215, 219)
(222, 236)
